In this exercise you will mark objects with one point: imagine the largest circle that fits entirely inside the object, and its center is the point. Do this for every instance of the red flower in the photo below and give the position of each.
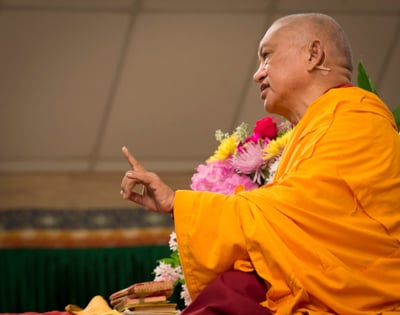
(266, 128)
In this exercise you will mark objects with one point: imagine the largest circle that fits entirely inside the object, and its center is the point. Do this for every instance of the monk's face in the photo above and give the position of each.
(282, 70)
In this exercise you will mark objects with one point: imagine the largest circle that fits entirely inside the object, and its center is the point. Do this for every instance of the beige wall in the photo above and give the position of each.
(70, 190)
(81, 78)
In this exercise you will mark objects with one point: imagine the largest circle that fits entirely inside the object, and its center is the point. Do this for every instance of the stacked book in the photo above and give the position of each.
(145, 298)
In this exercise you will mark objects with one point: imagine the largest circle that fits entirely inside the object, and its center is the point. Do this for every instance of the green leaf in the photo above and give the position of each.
(172, 260)
(363, 79)
(365, 82)
(396, 114)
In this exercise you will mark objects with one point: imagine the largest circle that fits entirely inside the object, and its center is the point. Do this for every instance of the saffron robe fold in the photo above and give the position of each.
(325, 234)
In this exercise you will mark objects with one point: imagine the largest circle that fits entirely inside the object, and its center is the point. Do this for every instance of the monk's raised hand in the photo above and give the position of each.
(155, 196)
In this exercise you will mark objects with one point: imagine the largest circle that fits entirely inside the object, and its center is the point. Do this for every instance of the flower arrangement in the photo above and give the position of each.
(243, 158)
(169, 268)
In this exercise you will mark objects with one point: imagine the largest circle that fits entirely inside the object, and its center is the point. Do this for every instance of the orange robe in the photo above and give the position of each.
(325, 233)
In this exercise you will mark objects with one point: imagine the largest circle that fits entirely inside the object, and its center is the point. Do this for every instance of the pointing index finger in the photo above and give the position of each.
(131, 160)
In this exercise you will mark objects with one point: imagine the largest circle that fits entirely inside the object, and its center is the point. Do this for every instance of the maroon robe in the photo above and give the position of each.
(231, 293)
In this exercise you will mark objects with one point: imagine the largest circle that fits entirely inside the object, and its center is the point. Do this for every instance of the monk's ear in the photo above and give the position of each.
(316, 56)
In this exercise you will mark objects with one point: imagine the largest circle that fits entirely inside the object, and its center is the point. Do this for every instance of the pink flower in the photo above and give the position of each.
(219, 176)
(249, 161)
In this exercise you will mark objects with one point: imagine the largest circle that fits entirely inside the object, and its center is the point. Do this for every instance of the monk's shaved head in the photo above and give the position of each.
(311, 26)
(301, 57)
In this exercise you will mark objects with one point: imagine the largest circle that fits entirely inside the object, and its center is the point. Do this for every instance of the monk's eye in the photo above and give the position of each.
(265, 58)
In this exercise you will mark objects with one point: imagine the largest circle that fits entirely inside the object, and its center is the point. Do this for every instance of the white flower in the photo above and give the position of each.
(272, 170)
(173, 245)
(185, 295)
(165, 272)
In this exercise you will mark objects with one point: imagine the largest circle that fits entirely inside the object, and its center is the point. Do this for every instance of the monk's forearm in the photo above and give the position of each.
(209, 235)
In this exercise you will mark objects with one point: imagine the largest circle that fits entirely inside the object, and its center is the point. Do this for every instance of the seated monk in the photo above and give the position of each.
(324, 236)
